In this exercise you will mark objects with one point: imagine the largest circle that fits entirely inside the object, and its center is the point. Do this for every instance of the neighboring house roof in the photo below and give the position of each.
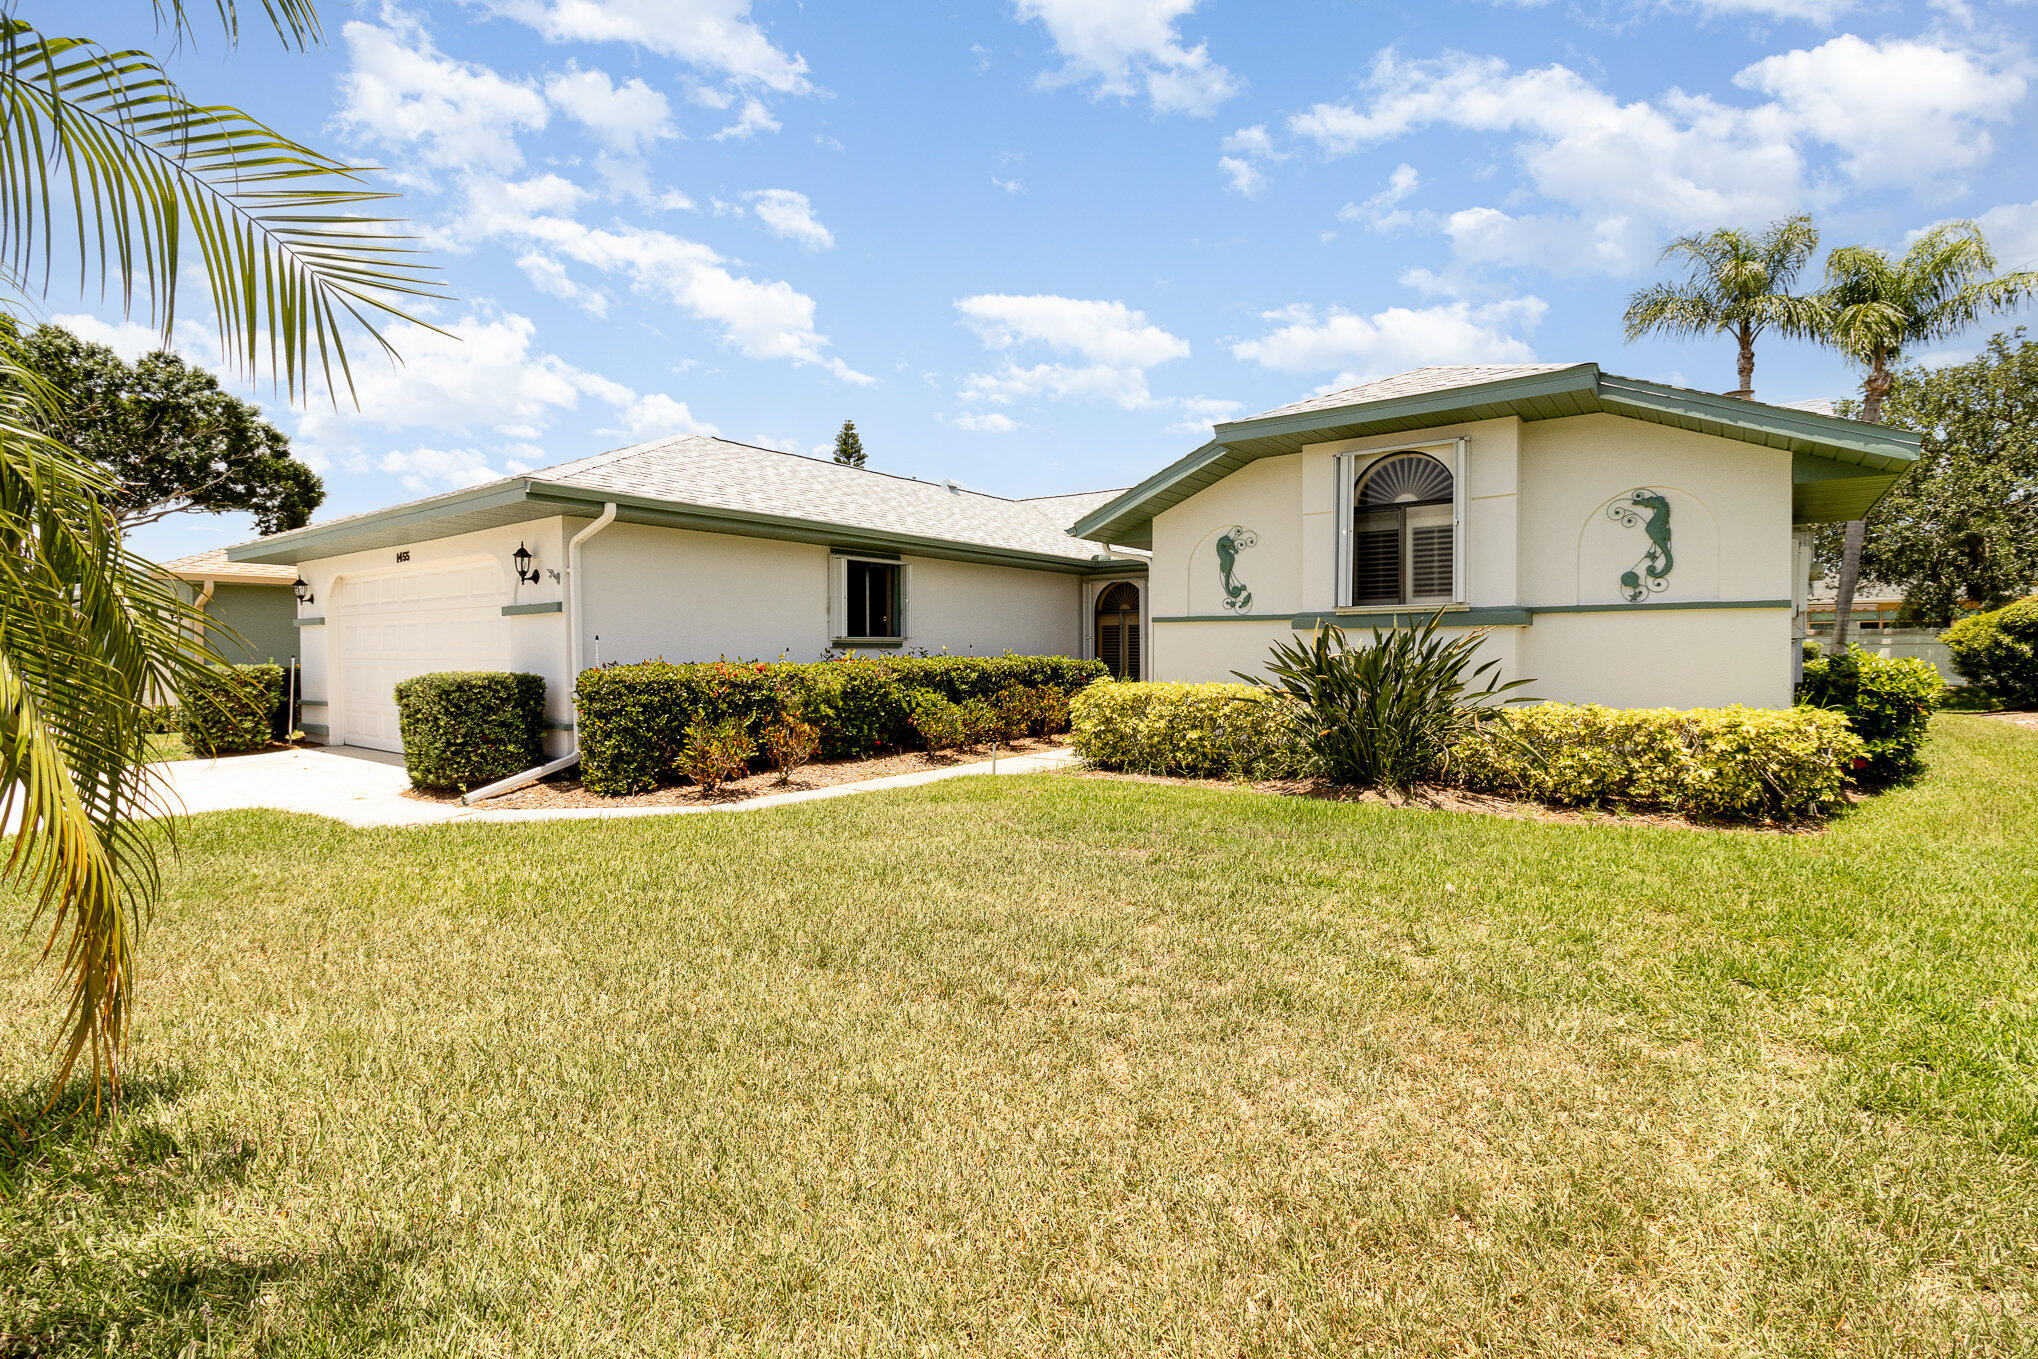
(1839, 468)
(214, 566)
(693, 481)
(1066, 509)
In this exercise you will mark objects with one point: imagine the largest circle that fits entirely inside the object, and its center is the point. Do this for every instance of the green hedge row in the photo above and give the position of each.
(1198, 731)
(1887, 701)
(230, 709)
(1732, 764)
(633, 718)
(464, 728)
(1998, 651)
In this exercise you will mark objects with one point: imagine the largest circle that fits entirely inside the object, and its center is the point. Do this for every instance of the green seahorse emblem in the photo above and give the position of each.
(1238, 596)
(1647, 510)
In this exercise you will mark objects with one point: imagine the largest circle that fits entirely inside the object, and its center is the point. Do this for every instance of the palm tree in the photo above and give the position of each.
(1739, 284)
(1876, 308)
(101, 155)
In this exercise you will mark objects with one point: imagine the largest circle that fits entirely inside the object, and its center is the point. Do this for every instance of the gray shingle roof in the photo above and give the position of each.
(1417, 381)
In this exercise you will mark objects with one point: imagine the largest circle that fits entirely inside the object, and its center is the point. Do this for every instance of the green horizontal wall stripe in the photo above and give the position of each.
(549, 606)
(842, 645)
(1495, 617)
(1662, 604)
(313, 728)
(311, 703)
(318, 622)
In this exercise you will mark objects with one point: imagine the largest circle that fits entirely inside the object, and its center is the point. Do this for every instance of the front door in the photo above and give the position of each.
(1118, 629)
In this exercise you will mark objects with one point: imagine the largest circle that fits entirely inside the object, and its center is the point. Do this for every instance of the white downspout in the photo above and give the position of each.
(573, 652)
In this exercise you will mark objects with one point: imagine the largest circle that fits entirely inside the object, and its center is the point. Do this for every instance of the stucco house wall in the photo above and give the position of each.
(1541, 560)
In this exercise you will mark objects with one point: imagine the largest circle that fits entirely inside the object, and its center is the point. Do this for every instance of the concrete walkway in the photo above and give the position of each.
(365, 788)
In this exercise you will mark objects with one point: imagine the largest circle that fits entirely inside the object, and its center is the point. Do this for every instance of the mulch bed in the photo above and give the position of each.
(1458, 800)
(2015, 719)
(564, 790)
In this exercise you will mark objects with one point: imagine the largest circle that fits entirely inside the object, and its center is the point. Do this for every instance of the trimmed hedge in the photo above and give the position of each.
(1187, 730)
(464, 728)
(1735, 764)
(1998, 651)
(1888, 702)
(231, 709)
(633, 718)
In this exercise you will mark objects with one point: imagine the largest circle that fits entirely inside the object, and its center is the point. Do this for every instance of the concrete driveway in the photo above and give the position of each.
(365, 788)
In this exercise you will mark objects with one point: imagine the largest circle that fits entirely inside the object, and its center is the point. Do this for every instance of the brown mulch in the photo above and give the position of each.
(564, 790)
(1458, 800)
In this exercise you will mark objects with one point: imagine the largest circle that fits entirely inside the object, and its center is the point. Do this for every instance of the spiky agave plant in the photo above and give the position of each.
(1386, 713)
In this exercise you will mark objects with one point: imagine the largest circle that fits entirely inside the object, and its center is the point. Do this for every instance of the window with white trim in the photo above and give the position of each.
(1400, 540)
(870, 600)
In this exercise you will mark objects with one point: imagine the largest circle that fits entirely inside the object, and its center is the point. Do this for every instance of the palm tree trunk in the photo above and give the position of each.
(1746, 366)
(1874, 388)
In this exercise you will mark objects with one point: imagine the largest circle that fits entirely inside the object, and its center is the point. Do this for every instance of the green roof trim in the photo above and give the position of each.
(1840, 468)
(518, 610)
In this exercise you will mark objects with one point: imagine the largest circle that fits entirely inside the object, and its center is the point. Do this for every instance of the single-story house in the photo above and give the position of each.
(252, 600)
(689, 548)
(1629, 543)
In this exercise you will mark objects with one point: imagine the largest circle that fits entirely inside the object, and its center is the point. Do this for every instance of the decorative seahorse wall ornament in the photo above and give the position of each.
(1647, 510)
(1238, 597)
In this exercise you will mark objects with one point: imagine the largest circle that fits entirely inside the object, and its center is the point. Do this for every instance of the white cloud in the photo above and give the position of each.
(549, 276)
(1199, 413)
(759, 319)
(2012, 232)
(988, 423)
(1897, 110)
(1365, 347)
(1011, 186)
(1245, 177)
(1115, 343)
(658, 414)
(1129, 46)
(426, 471)
(1253, 141)
(402, 93)
(717, 37)
(754, 118)
(1380, 212)
(788, 213)
(624, 118)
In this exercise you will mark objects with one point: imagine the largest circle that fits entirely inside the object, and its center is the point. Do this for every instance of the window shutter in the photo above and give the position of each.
(1458, 460)
(1341, 499)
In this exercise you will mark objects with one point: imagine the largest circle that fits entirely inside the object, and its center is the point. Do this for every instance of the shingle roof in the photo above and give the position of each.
(1415, 382)
(692, 470)
(214, 565)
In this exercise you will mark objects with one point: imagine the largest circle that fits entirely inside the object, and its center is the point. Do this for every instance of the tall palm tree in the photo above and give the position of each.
(104, 158)
(1739, 285)
(1877, 307)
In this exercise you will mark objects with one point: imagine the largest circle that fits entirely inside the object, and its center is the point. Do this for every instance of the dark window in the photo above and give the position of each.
(1118, 630)
(1402, 532)
(873, 599)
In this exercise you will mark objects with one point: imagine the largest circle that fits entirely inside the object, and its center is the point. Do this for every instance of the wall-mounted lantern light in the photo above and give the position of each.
(525, 571)
(302, 589)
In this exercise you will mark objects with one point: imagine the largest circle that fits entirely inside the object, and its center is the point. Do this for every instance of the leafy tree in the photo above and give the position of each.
(169, 438)
(1739, 285)
(1877, 307)
(104, 160)
(1962, 524)
(849, 445)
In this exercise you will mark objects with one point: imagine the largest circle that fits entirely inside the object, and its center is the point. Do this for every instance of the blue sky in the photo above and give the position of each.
(1039, 246)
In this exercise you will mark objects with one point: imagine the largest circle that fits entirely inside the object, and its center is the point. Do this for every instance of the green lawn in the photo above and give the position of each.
(1059, 1066)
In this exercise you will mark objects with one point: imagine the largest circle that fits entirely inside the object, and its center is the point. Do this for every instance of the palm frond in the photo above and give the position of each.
(296, 21)
(1670, 309)
(103, 140)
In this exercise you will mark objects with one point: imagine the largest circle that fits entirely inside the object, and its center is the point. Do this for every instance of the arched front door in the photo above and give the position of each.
(1118, 629)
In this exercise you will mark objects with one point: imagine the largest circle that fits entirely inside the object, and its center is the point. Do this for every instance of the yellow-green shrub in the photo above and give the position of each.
(1191, 730)
(1739, 764)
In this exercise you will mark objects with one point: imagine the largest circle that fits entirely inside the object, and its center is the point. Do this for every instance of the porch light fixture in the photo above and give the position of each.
(525, 571)
(302, 589)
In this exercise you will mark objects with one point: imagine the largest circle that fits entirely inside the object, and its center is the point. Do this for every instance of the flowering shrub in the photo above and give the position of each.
(1737, 764)
(1193, 730)
(936, 721)
(633, 718)
(715, 752)
(1888, 703)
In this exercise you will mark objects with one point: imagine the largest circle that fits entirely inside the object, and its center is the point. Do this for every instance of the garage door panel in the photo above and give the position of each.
(395, 626)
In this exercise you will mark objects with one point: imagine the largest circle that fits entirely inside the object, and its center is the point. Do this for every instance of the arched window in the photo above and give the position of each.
(1118, 629)
(1402, 531)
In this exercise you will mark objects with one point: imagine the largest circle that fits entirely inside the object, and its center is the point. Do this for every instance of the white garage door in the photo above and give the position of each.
(412, 623)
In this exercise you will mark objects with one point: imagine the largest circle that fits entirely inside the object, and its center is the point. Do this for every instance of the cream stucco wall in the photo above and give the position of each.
(1543, 539)
(650, 591)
